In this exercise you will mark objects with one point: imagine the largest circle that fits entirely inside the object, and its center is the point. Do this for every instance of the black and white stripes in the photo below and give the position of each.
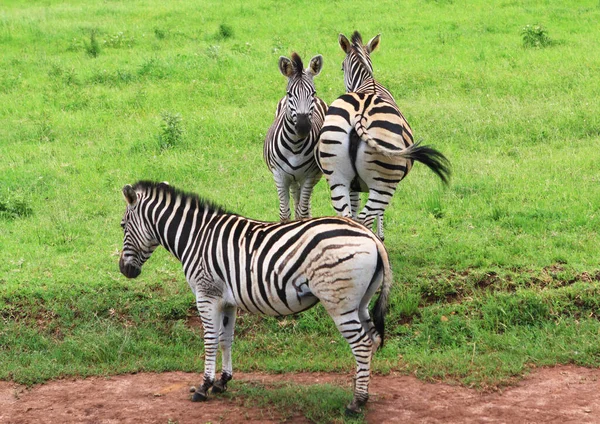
(270, 268)
(366, 143)
(291, 139)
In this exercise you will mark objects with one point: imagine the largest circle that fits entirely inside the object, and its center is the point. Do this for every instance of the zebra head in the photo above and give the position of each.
(357, 65)
(300, 90)
(138, 241)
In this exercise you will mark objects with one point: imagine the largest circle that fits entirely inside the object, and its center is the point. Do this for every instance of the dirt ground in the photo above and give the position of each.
(564, 394)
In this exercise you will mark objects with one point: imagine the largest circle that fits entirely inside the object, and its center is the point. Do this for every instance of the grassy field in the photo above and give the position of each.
(497, 272)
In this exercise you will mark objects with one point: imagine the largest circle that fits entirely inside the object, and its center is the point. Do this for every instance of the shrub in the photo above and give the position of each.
(92, 48)
(535, 36)
(171, 130)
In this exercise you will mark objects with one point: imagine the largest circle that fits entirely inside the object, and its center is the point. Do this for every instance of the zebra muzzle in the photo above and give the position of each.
(129, 270)
(302, 125)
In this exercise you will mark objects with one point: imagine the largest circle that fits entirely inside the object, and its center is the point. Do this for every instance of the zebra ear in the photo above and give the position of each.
(316, 63)
(373, 44)
(285, 66)
(344, 43)
(130, 195)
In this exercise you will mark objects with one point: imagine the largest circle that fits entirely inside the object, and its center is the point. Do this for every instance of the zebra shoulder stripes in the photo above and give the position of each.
(366, 144)
(271, 268)
(291, 139)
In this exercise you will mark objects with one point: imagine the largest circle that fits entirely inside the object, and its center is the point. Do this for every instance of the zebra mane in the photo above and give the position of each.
(361, 52)
(150, 186)
(297, 63)
(357, 39)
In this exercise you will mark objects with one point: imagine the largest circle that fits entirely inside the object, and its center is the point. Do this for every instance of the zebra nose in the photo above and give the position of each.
(302, 124)
(129, 270)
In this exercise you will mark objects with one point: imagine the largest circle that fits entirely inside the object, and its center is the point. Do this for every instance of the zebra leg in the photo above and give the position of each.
(283, 191)
(355, 202)
(210, 316)
(360, 342)
(306, 190)
(374, 208)
(225, 341)
(340, 197)
(295, 189)
(380, 226)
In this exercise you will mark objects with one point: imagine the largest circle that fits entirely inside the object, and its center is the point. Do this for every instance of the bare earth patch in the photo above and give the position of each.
(564, 394)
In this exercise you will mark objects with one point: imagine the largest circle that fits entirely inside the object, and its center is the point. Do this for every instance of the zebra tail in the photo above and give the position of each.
(434, 159)
(364, 135)
(381, 305)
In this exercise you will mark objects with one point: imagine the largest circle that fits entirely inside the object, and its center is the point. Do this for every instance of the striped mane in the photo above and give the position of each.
(361, 53)
(151, 186)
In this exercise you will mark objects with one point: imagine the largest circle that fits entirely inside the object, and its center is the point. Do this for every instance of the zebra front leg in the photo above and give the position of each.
(226, 340)
(210, 315)
(306, 190)
(283, 191)
(355, 202)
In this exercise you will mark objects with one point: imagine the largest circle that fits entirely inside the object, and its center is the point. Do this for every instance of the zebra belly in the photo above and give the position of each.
(293, 297)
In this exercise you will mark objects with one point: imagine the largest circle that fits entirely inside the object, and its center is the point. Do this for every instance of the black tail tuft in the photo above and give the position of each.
(381, 305)
(379, 311)
(434, 159)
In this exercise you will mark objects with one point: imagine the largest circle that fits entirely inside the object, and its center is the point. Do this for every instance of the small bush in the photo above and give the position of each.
(535, 36)
(225, 32)
(93, 47)
(171, 130)
(12, 208)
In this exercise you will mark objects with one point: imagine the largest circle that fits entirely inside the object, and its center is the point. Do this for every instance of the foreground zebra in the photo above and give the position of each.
(366, 144)
(270, 268)
(290, 142)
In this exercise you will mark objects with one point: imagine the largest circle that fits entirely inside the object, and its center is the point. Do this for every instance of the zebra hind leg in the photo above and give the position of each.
(225, 341)
(360, 342)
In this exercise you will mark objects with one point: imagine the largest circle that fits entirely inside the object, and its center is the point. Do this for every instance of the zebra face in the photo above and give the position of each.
(301, 91)
(357, 66)
(138, 243)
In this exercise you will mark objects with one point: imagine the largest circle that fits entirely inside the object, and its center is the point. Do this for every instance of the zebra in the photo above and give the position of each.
(268, 268)
(291, 139)
(366, 144)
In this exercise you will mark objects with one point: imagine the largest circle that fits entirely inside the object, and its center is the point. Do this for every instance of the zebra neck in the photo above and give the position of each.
(179, 223)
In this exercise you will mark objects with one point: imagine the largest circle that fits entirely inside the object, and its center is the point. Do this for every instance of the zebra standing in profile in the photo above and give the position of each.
(365, 143)
(270, 268)
(290, 142)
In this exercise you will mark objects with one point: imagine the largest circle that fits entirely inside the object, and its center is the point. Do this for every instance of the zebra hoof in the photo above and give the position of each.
(353, 409)
(192, 389)
(199, 396)
(219, 387)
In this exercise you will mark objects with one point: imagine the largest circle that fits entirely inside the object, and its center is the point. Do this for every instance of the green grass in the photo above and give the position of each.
(495, 273)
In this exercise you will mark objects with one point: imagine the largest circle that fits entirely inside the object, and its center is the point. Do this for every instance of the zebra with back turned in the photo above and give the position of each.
(366, 143)
(291, 139)
(270, 268)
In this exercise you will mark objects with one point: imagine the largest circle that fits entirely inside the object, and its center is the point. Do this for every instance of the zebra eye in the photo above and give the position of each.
(123, 224)
(289, 94)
